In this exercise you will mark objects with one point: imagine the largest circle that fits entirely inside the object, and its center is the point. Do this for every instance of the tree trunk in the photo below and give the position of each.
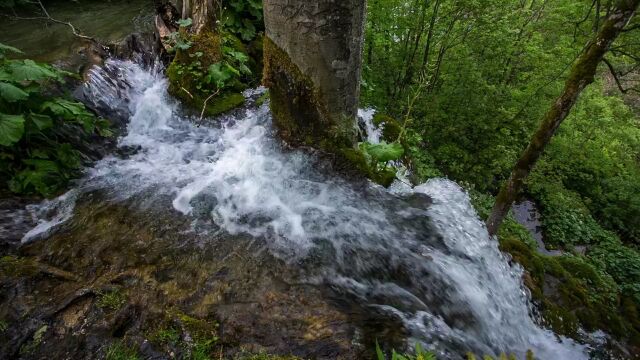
(313, 58)
(582, 74)
(202, 12)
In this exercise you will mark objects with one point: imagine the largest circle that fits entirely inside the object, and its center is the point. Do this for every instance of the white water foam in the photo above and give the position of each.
(253, 186)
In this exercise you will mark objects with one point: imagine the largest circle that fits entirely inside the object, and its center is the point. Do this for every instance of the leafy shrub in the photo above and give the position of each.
(243, 18)
(621, 262)
(567, 222)
(38, 129)
(420, 354)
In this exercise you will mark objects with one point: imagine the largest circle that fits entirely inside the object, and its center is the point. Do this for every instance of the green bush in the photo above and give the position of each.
(567, 222)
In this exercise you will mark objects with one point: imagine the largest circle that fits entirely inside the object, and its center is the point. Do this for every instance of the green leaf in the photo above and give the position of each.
(383, 152)
(379, 352)
(42, 122)
(6, 48)
(29, 70)
(219, 74)
(68, 156)
(11, 129)
(66, 109)
(43, 176)
(12, 93)
(185, 22)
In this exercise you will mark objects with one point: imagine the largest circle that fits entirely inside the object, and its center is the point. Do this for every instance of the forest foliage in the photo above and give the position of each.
(41, 128)
(490, 69)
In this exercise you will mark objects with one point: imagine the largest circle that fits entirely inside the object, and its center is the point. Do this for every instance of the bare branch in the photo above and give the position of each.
(48, 17)
(616, 77)
(204, 106)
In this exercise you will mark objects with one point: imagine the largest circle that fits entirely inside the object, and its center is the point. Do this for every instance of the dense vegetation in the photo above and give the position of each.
(211, 68)
(468, 81)
(485, 71)
(42, 131)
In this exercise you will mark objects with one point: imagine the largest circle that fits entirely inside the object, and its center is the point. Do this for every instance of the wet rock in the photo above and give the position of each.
(142, 47)
(227, 290)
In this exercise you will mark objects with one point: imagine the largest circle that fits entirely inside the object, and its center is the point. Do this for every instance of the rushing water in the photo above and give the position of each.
(417, 255)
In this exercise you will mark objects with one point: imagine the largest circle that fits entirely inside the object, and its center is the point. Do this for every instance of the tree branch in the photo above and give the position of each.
(614, 73)
(48, 17)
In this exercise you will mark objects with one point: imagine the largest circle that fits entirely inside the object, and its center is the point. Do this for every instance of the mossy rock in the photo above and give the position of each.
(186, 86)
(358, 161)
(391, 128)
(572, 294)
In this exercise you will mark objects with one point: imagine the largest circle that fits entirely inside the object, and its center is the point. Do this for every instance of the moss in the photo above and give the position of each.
(356, 160)
(298, 112)
(572, 293)
(302, 119)
(263, 99)
(35, 342)
(13, 266)
(111, 300)
(391, 128)
(186, 85)
(198, 328)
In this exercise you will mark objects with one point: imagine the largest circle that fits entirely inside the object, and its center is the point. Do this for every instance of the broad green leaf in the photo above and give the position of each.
(68, 156)
(219, 74)
(43, 176)
(39, 154)
(29, 70)
(42, 122)
(383, 152)
(12, 93)
(11, 129)
(185, 22)
(68, 110)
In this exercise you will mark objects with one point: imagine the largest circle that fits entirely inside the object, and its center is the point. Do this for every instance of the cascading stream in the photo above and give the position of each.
(419, 255)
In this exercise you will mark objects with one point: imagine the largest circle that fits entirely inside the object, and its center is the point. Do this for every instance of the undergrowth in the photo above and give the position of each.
(40, 129)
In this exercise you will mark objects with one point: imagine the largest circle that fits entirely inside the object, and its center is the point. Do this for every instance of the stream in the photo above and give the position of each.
(418, 259)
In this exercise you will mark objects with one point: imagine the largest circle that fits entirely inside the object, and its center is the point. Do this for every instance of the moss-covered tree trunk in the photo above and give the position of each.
(582, 74)
(313, 54)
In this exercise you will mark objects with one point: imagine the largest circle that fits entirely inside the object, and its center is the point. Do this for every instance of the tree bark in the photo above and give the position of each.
(313, 58)
(582, 74)
(202, 12)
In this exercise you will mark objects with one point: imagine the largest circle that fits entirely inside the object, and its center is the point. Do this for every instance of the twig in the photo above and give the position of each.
(48, 17)
(204, 106)
(187, 91)
(613, 72)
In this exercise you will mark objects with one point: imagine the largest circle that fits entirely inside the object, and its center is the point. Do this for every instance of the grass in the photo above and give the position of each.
(111, 300)
(119, 351)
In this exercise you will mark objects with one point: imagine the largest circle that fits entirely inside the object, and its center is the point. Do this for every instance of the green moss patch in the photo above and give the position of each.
(572, 293)
(301, 118)
(189, 68)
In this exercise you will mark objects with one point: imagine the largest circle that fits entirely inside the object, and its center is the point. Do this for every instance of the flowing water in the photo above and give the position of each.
(419, 256)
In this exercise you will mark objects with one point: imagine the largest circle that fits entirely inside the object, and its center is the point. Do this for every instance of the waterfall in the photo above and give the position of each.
(420, 255)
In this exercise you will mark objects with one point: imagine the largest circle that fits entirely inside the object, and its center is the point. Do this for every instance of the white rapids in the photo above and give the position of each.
(458, 291)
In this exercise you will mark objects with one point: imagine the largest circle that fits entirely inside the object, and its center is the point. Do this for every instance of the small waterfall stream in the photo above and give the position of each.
(418, 255)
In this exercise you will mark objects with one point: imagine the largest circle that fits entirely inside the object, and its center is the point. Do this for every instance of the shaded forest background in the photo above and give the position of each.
(484, 72)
